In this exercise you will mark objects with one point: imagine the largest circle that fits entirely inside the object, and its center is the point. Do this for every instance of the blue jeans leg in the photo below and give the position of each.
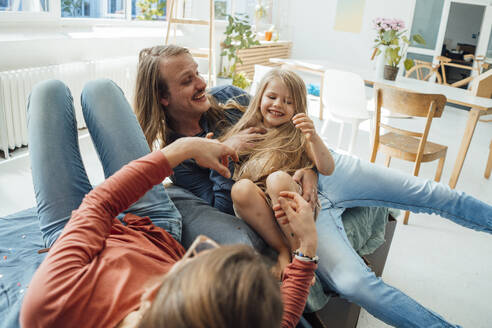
(59, 177)
(118, 139)
(341, 269)
(360, 183)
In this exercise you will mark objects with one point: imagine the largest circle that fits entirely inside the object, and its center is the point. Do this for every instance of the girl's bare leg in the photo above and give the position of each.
(250, 204)
(280, 181)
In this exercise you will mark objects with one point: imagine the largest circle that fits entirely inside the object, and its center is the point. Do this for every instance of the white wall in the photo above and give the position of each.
(311, 30)
(463, 21)
(309, 24)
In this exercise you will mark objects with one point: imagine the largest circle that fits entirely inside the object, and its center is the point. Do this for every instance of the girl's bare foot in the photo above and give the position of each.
(283, 260)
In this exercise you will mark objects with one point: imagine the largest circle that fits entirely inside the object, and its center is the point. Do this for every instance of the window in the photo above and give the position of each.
(255, 9)
(426, 21)
(107, 9)
(24, 5)
(141, 9)
(149, 9)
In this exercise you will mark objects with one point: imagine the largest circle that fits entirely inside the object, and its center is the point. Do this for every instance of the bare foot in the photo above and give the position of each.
(283, 260)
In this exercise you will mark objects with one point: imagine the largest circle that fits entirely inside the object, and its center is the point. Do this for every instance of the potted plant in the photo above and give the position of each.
(392, 42)
(238, 36)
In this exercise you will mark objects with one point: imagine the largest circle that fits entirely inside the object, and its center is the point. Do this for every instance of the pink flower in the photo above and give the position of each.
(377, 23)
(387, 24)
(397, 24)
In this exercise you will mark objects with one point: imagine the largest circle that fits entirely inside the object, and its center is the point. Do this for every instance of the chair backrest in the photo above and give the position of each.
(482, 85)
(407, 103)
(344, 93)
(260, 71)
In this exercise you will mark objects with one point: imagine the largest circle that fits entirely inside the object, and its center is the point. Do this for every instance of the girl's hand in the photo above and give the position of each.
(305, 124)
(300, 218)
(308, 179)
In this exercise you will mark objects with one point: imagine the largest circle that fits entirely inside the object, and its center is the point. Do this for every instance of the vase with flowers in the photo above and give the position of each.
(392, 43)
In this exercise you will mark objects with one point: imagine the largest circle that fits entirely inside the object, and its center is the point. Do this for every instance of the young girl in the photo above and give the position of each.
(290, 144)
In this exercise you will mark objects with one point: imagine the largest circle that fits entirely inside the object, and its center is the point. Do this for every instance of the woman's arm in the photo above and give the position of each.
(317, 150)
(299, 274)
(295, 290)
(91, 223)
(84, 236)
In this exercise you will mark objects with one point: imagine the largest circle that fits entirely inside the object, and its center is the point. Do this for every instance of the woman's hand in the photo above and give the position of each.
(308, 179)
(245, 139)
(300, 218)
(305, 124)
(206, 152)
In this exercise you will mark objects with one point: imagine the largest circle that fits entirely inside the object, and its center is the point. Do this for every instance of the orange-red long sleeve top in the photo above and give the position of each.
(97, 270)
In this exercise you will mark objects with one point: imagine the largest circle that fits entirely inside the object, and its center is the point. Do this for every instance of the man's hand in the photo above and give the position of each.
(300, 218)
(245, 139)
(308, 179)
(206, 152)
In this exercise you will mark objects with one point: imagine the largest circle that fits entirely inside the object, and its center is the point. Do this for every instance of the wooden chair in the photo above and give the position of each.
(488, 168)
(408, 145)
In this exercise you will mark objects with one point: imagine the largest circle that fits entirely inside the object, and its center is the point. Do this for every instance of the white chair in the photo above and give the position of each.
(260, 71)
(344, 98)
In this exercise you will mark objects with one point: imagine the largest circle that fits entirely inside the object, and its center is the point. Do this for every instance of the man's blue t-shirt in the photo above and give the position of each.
(203, 182)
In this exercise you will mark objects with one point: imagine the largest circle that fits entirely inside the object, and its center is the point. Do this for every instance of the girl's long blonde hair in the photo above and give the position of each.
(151, 87)
(282, 148)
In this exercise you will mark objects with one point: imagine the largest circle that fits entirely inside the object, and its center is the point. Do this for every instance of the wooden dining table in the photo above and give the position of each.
(478, 105)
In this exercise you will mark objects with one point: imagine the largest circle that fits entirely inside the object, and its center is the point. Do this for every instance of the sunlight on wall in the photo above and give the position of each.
(349, 15)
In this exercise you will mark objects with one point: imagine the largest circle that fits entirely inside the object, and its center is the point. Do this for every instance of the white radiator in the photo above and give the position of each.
(16, 85)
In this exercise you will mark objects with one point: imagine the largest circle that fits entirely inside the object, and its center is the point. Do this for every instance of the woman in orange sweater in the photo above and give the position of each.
(103, 272)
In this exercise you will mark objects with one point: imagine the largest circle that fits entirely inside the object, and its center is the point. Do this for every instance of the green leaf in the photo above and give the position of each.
(408, 63)
(387, 37)
(418, 38)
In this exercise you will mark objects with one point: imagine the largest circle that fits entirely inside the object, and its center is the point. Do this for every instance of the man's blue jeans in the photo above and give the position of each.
(59, 177)
(360, 183)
